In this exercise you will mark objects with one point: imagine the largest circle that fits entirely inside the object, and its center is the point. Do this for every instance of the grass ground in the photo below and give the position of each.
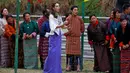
(88, 66)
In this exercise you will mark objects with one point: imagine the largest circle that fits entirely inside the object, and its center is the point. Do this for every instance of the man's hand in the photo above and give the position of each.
(30, 36)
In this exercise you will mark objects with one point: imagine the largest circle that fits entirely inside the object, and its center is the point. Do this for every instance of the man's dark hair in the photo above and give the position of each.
(126, 6)
(74, 7)
(25, 14)
(91, 16)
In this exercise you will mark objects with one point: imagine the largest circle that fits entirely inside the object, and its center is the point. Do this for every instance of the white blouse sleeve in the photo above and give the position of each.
(52, 23)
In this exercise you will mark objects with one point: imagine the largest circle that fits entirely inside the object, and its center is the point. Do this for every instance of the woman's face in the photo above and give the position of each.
(27, 17)
(124, 23)
(118, 15)
(111, 14)
(57, 7)
(93, 19)
(5, 12)
(10, 20)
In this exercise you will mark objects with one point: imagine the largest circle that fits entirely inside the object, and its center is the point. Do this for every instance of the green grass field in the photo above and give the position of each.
(88, 68)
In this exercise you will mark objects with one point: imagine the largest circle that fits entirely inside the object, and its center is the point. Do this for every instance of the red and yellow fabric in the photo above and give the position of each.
(9, 30)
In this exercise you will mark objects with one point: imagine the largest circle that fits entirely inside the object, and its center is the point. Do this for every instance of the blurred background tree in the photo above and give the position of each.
(97, 7)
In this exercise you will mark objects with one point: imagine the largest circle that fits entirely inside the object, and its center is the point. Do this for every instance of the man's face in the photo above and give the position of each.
(75, 11)
(111, 14)
(27, 17)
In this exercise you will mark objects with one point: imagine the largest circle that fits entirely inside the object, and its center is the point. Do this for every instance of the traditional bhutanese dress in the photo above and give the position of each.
(30, 45)
(96, 34)
(43, 41)
(4, 47)
(73, 47)
(10, 34)
(53, 61)
(124, 37)
(44, 44)
(116, 51)
(108, 24)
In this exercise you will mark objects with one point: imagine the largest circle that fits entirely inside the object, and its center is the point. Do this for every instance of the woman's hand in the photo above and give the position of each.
(127, 45)
(59, 26)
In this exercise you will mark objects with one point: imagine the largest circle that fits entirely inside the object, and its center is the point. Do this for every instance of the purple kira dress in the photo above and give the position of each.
(53, 61)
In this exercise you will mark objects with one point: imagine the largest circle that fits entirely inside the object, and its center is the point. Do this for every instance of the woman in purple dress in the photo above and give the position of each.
(53, 61)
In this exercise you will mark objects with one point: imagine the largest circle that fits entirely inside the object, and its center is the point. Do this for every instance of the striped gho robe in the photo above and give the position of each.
(73, 44)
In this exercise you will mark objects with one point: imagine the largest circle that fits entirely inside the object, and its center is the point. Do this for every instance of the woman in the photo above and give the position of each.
(114, 25)
(53, 61)
(123, 38)
(96, 37)
(108, 37)
(10, 35)
(4, 44)
(28, 31)
(109, 20)
(43, 42)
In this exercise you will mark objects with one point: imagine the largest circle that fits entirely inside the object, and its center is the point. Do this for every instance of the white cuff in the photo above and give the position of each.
(51, 33)
(47, 34)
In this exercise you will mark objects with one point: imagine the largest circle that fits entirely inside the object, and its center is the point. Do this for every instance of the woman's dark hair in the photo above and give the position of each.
(114, 12)
(52, 10)
(2, 12)
(46, 12)
(8, 16)
(123, 17)
(91, 16)
(126, 6)
(25, 14)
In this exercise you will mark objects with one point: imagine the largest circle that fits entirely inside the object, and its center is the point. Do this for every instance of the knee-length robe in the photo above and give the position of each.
(76, 25)
(30, 45)
(73, 44)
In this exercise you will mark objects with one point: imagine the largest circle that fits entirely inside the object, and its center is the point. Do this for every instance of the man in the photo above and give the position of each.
(76, 28)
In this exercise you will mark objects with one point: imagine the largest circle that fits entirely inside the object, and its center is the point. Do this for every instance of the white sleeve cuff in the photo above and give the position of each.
(47, 34)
